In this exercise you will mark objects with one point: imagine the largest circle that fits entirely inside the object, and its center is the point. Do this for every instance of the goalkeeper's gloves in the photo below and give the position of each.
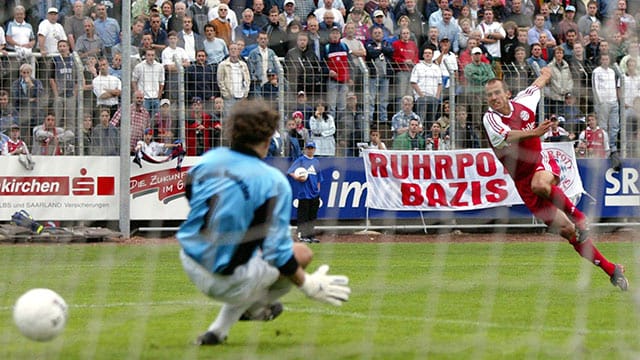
(332, 289)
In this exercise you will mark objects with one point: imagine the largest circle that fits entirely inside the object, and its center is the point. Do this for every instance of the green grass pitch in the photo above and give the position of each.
(409, 301)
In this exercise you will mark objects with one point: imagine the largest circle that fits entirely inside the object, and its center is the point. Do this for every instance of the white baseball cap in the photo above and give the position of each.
(476, 50)
(378, 13)
(289, 2)
(52, 10)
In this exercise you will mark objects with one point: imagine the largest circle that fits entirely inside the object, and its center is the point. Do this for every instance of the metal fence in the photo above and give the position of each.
(354, 106)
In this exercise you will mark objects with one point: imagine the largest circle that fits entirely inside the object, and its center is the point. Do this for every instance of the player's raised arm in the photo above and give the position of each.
(543, 79)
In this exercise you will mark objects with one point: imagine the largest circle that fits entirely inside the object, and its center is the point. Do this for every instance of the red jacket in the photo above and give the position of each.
(199, 141)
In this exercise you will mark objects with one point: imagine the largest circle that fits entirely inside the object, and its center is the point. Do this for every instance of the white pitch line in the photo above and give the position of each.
(353, 315)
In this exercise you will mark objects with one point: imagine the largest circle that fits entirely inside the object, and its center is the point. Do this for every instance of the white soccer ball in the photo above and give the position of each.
(302, 173)
(40, 314)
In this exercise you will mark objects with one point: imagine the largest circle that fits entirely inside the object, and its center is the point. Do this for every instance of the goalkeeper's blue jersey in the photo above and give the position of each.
(239, 204)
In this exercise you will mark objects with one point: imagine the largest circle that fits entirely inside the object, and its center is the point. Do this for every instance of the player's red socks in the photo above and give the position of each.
(587, 250)
(562, 202)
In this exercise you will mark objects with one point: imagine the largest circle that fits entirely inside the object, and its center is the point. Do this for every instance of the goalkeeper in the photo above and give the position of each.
(236, 243)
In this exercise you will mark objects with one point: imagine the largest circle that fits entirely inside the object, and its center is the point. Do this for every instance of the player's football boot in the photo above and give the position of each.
(267, 314)
(618, 279)
(209, 338)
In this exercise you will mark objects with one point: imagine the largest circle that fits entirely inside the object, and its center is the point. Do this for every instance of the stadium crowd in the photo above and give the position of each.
(337, 69)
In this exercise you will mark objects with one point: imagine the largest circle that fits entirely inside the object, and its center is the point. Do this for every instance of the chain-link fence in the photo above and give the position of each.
(334, 103)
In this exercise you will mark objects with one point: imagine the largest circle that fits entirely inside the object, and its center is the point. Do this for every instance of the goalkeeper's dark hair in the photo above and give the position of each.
(251, 122)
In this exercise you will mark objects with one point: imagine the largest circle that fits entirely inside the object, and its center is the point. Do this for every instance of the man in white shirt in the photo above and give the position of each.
(20, 35)
(189, 40)
(148, 77)
(605, 97)
(49, 33)
(107, 88)
(426, 81)
(172, 55)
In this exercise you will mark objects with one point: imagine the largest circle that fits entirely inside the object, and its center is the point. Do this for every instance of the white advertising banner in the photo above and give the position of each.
(468, 179)
(157, 190)
(60, 188)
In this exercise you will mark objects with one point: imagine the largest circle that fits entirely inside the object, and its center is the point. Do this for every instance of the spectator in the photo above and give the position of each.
(261, 60)
(337, 61)
(436, 140)
(379, 60)
(411, 139)
(150, 147)
(26, 93)
(509, 43)
(595, 138)
(592, 49)
(107, 88)
(307, 191)
(323, 128)
(293, 12)
(190, 41)
(364, 18)
(215, 47)
(581, 71)
(361, 29)
(303, 106)
(547, 48)
(533, 36)
(303, 69)
(89, 43)
(277, 36)
(74, 25)
(449, 29)
(302, 133)
(64, 86)
(276, 145)
(464, 34)
(8, 114)
(20, 36)
(166, 14)
(417, 22)
(199, 129)
(164, 122)
(631, 86)
(148, 77)
(447, 60)
(48, 139)
(328, 7)
(426, 81)
(465, 135)
(107, 29)
(350, 128)
(200, 79)
(271, 89)
(158, 34)
(521, 19)
(556, 132)
(316, 39)
(584, 23)
(492, 33)
(176, 22)
(567, 23)
(105, 138)
(248, 31)
(477, 74)
(171, 56)
(400, 121)
(291, 142)
(375, 140)
(465, 59)
(561, 82)
(605, 95)
(49, 33)
(14, 145)
(518, 74)
(259, 17)
(139, 119)
(405, 56)
(234, 79)
(85, 139)
(198, 11)
(570, 38)
(222, 23)
(536, 56)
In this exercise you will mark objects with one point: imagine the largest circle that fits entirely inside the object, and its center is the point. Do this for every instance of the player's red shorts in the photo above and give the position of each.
(542, 208)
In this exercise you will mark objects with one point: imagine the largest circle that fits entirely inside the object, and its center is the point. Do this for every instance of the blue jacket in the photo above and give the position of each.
(239, 204)
(309, 189)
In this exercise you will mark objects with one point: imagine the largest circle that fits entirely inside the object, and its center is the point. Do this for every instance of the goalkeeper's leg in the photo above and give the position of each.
(266, 308)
